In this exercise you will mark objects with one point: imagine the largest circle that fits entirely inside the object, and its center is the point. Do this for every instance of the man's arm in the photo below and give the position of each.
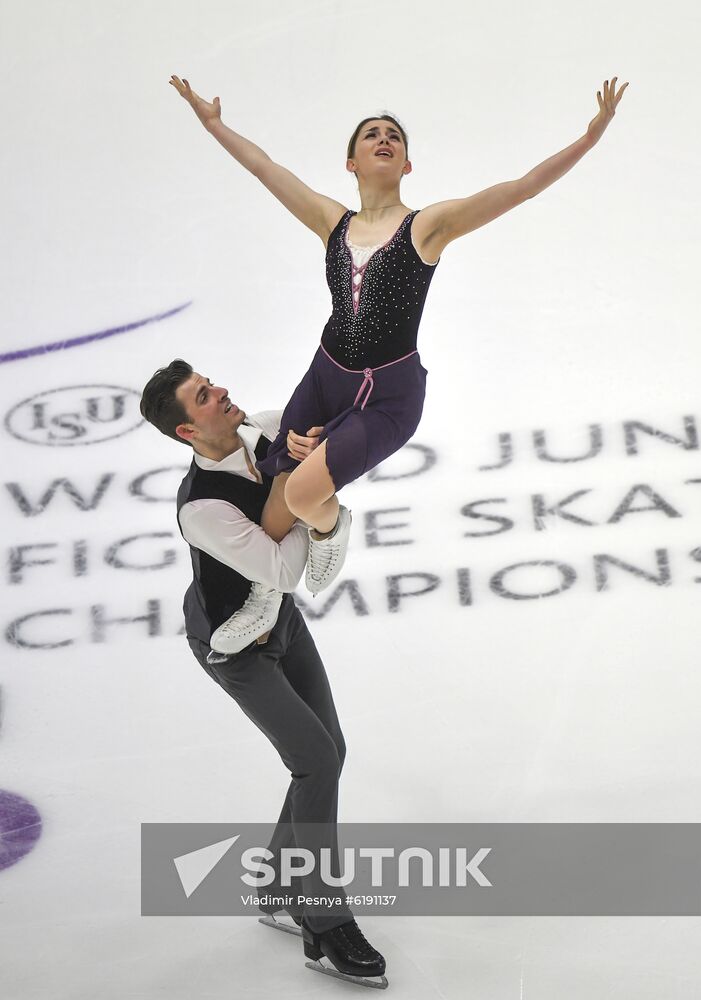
(267, 421)
(224, 532)
(300, 442)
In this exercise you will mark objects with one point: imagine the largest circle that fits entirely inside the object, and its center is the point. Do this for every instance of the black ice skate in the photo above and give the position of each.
(354, 958)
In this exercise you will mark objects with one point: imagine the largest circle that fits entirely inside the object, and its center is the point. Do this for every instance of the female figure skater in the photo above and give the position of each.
(366, 383)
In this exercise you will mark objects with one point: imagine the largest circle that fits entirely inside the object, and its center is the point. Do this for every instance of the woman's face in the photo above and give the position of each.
(379, 150)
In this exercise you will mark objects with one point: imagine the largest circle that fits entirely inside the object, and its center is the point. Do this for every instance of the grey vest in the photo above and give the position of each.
(217, 591)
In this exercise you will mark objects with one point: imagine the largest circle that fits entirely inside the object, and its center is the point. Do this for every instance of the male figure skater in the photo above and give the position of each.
(278, 680)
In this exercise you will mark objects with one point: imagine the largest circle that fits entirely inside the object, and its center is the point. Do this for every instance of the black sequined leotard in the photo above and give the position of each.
(382, 325)
(366, 384)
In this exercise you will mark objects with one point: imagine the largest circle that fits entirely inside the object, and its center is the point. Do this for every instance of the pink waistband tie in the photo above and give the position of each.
(367, 372)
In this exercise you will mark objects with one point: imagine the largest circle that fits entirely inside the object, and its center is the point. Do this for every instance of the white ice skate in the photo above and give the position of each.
(257, 615)
(327, 555)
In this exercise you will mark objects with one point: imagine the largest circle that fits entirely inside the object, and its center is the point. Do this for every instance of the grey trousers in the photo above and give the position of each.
(282, 687)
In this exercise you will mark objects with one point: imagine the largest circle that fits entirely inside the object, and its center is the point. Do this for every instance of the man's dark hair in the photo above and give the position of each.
(158, 402)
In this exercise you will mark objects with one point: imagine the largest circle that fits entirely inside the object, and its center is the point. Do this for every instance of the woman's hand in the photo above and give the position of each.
(299, 447)
(206, 112)
(607, 109)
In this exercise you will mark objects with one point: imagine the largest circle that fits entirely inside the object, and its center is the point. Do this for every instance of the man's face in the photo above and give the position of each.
(213, 418)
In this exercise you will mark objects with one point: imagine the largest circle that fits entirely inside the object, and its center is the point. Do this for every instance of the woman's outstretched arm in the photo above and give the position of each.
(314, 210)
(447, 220)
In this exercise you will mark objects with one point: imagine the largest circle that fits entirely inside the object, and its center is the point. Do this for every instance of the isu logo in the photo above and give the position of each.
(75, 415)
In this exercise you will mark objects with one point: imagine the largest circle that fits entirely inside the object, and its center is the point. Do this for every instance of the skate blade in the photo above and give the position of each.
(281, 925)
(374, 982)
(214, 657)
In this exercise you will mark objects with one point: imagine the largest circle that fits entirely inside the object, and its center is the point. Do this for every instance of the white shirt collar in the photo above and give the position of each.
(236, 461)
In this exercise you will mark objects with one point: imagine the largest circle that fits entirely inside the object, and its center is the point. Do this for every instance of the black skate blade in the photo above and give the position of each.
(374, 982)
(281, 925)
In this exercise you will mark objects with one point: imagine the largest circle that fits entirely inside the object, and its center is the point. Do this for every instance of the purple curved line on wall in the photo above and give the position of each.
(20, 828)
(61, 345)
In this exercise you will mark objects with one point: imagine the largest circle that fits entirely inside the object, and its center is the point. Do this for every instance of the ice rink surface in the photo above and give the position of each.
(494, 657)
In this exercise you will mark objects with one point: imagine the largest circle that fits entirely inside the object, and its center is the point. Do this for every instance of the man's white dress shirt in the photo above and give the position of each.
(224, 532)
